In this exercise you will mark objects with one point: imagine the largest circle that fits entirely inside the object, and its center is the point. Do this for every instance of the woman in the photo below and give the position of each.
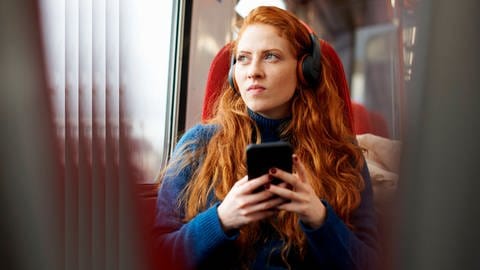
(320, 217)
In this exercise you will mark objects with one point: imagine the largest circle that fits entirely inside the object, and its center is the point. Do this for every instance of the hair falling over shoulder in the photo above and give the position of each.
(318, 131)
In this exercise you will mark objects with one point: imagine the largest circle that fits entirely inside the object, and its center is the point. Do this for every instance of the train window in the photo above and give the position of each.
(109, 71)
(375, 77)
(208, 35)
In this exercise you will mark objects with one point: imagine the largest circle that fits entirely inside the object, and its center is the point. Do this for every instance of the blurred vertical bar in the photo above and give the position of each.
(439, 187)
(112, 135)
(124, 241)
(85, 133)
(71, 133)
(30, 185)
(132, 251)
(99, 134)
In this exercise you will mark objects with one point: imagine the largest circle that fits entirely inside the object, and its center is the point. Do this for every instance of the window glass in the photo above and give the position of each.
(108, 67)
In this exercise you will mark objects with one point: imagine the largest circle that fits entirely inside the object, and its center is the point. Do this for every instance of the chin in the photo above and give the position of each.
(258, 110)
(255, 107)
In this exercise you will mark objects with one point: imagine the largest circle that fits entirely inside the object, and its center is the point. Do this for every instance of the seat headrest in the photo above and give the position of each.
(217, 76)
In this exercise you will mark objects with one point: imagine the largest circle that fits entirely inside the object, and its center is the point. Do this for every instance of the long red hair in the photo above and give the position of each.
(319, 132)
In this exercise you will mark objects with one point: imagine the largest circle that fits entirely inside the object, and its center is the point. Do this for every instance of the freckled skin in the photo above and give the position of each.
(266, 60)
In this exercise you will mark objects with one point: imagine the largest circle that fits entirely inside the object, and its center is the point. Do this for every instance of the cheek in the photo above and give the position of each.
(287, 81)
(238, 76)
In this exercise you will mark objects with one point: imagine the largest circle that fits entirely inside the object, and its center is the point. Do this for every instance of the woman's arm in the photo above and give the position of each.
(185, 245)
(331, 243)
(335, 245)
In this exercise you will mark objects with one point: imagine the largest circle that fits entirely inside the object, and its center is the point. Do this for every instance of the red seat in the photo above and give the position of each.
(379, 125)
(362, 119)
(366, 121)
(217, 77)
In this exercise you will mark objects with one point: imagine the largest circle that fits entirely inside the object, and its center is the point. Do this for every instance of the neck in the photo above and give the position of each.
(269, 128)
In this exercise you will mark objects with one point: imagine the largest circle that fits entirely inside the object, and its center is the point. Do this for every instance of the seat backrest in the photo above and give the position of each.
(362, 119)
(217, 77)
(220, 66)
(366, 121)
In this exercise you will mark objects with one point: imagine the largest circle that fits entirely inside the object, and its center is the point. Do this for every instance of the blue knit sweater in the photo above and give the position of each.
(201, 243)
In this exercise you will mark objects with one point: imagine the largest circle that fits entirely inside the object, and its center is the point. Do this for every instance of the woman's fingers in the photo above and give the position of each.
(252, 192)
(291, 180)
(248, 186)
(266, 205)
(242, 205)
(284, 192)
(299, 168)
(241, 181)
(296, 181)
(262, 210)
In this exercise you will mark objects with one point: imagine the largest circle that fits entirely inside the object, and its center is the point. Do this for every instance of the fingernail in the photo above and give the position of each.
(295, 158)
(273, 170)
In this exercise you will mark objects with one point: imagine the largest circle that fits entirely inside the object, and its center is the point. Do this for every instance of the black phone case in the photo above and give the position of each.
(261, 157)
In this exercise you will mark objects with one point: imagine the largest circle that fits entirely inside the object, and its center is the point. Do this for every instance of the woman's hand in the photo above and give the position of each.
(242, 205)
(301, 197)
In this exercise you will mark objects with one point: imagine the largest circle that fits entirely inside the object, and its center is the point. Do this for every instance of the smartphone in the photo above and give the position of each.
(261, 157)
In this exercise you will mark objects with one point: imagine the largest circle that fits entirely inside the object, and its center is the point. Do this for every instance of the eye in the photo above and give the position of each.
(241, 58)
(271, 57)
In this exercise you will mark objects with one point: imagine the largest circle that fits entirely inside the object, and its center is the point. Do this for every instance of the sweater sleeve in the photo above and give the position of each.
(336, 246)
(180, 244)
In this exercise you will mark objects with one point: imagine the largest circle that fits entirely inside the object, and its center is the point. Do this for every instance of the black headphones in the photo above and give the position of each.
(308, 69)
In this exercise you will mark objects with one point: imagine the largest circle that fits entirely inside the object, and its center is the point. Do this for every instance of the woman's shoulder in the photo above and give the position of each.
(198, 134)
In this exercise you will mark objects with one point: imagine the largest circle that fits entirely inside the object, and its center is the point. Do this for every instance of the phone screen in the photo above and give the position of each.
(261, 157)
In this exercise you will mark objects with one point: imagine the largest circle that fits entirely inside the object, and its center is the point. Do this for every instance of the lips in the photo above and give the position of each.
(255, 87)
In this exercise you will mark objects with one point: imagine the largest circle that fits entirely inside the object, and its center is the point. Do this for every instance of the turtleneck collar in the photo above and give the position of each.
(268, 127)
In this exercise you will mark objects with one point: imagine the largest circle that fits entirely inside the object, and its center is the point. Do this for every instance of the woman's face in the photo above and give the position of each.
(265, 71)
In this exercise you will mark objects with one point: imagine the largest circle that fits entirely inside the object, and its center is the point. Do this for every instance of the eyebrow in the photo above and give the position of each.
(262, 52)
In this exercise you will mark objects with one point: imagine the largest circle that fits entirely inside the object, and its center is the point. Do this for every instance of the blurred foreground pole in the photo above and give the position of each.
(31, 203)
(440, 187)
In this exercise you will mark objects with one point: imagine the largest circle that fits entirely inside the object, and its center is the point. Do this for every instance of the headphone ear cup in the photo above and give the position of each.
(309, 71)
(300, 71)
(230, 77)
(231, 73)
(310, 65)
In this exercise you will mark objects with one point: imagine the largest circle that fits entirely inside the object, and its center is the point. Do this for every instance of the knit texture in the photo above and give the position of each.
(201, 243)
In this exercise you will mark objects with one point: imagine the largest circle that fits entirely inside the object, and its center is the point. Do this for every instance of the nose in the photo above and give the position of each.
(255, 70)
